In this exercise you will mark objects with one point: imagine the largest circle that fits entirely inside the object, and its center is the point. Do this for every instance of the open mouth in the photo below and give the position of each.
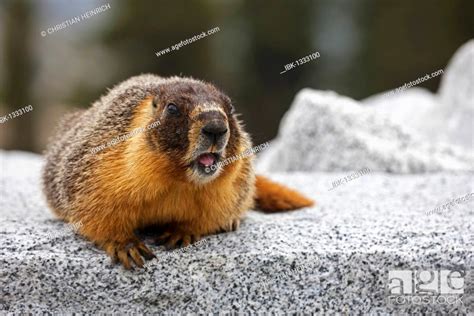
(206, 163)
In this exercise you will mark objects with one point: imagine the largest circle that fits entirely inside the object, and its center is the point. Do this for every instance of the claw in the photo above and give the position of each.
(123, 252)
(186, 241)
(145, 252)
(173, 241)
(195, 238)
(160, 240)
(177, 239)
(135, 254)
(235, 224)
(123, 257)
(231, 226)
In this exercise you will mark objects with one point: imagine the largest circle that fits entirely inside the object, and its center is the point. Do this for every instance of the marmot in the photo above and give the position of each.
(165, 175)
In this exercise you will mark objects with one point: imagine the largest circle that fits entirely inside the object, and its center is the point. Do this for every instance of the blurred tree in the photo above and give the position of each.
(140, 29)
(18, 72)
(279, 34)
(407, 39)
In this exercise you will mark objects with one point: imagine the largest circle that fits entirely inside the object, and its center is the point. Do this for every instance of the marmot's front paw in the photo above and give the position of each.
(175, 238)
(123, 251)
(232, 225)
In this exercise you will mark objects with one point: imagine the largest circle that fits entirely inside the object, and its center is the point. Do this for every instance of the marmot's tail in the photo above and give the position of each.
(273, 197)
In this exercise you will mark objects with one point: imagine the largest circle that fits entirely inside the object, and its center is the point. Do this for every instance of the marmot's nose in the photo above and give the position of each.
(214, 130)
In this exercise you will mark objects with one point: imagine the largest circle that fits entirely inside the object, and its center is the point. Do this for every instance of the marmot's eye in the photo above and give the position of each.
(172, 109)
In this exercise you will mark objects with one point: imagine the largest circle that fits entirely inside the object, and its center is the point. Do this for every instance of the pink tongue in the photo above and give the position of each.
(206, 159)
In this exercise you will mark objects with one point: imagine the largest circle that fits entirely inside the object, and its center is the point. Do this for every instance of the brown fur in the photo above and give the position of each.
(151, 178)
(273, 197)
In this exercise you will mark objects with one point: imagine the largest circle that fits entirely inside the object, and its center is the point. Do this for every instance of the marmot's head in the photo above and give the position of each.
(198, 128)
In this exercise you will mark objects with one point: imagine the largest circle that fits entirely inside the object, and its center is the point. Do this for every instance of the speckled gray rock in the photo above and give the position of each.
(324, 131)
(407, 132)
(334, 257)
(446, 116)
(457, 97)
(411, 108)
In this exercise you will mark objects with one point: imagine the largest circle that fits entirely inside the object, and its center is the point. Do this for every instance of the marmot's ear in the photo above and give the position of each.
(228, 102)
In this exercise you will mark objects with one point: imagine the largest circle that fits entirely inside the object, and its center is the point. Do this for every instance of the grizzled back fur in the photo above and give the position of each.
(69, 160)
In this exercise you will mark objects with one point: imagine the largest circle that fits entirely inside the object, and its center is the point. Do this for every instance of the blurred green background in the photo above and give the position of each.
(366, 47)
